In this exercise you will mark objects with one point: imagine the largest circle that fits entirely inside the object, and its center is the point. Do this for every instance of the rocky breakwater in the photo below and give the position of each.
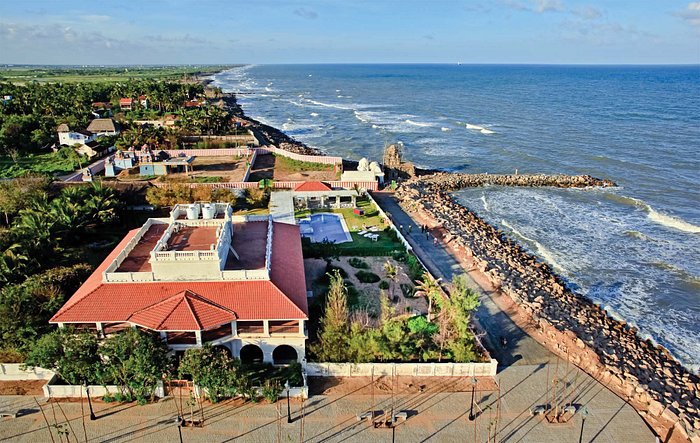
(663, 391)
(272, 135)
(445, 180)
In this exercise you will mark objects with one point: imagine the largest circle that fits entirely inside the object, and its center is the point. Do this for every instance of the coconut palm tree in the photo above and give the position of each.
(429, 288)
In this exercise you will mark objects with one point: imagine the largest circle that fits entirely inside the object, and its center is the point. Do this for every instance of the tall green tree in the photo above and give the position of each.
(73, 356)
(136, 361)
(332, 338)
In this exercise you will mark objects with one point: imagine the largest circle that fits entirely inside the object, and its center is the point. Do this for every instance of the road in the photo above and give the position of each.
(95, 167)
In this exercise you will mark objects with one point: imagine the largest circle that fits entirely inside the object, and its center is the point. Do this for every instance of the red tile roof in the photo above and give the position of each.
(312, 187)
(125, 101)
(281, 298)
(184, 311)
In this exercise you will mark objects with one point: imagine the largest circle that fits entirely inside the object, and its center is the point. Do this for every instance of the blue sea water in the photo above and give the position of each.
(635, 249)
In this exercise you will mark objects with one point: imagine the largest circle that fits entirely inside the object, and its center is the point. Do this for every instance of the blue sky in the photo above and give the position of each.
(349, 31)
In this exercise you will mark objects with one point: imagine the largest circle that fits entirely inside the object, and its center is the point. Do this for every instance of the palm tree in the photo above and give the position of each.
(429, 288)
(391, 273)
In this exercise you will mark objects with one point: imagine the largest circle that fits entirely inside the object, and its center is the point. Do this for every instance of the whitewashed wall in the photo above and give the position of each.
(12, 371)
(404, 369)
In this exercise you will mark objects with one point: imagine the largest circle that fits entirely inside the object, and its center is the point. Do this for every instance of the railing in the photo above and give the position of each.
(288, 328)
(250, 328)
(119, 277)
(184, 256)
(181, 338)
(223, 242)
(246, 274)
(268, 248)
(217, 333)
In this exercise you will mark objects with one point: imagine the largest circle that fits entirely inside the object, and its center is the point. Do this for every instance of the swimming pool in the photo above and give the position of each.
(325, 226)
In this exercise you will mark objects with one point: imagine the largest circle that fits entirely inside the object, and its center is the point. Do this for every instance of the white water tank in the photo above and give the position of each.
(208, 211)
(193, 212)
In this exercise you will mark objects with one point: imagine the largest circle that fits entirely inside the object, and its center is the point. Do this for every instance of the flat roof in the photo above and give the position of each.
(250, 243)
(137, 260)
(193, 238)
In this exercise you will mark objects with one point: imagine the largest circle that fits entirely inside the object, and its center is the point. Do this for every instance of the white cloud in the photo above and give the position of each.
(548, 6)
(306, 13)
(691, 14)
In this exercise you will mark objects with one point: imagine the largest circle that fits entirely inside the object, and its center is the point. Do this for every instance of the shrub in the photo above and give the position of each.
(384, 285)
(367, 277)
(358, 263)
(271, 390)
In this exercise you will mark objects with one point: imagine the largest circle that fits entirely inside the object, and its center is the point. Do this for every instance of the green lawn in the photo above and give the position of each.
(387, 244)
(48, 163)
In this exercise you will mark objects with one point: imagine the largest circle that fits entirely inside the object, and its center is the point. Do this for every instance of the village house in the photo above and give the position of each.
(144, 101)
(70, 138)
(202, 276)
(103, 127)
(125, 104)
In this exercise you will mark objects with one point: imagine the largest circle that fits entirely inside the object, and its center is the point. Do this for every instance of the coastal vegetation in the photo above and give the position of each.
(133, 360)
(347, 335)
(28, 74)
(49, 243)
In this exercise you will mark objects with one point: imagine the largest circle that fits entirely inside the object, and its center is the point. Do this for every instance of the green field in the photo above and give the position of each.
(43, 74)
(50, 163)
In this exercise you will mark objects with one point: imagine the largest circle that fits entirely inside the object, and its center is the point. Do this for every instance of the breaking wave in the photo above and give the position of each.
(657, 217)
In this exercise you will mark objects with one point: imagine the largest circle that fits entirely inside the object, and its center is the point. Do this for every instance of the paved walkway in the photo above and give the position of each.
(523, 356)
(282, 207)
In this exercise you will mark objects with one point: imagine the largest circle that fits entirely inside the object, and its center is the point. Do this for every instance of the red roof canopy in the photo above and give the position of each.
(314, 186)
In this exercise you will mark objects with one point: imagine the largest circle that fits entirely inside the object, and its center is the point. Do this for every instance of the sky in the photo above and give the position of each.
(78, 32)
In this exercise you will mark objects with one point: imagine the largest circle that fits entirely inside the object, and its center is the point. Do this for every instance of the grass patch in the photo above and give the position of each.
(290, 165)
(51, 163)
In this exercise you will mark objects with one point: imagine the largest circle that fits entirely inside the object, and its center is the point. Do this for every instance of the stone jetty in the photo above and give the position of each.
(662, 390)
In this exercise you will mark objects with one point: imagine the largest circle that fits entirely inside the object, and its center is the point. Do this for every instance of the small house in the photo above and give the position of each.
(70, 138)
(126, 104)
(103, 126)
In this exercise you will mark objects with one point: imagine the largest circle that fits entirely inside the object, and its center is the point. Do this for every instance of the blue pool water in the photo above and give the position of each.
(325, 227)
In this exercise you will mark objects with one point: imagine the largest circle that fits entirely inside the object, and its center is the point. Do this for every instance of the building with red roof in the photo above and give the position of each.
(126, 104)
(202, 276)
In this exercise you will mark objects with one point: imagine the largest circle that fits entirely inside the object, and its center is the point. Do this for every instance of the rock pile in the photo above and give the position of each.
(450, 181)
(646, 374)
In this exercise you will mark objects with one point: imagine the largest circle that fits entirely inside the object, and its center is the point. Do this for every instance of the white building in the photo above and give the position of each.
(203, 276)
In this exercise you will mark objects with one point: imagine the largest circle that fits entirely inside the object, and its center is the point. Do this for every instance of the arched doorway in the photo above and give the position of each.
(251, 354)
(284, 355)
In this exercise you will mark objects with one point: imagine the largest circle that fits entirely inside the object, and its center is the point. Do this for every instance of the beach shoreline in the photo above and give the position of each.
(665, 406)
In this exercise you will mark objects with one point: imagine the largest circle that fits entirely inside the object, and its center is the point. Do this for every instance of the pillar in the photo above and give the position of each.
(234, 328)
(337, 201)
(354, 201)
(198, 334)
(301, 327)
(266, 327)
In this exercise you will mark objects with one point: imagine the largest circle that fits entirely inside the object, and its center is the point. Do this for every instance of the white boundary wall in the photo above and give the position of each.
(12, 371)
(404, 369)
(77, 391)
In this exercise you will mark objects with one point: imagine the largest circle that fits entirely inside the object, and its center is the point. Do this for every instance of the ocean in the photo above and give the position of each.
(634, 249)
